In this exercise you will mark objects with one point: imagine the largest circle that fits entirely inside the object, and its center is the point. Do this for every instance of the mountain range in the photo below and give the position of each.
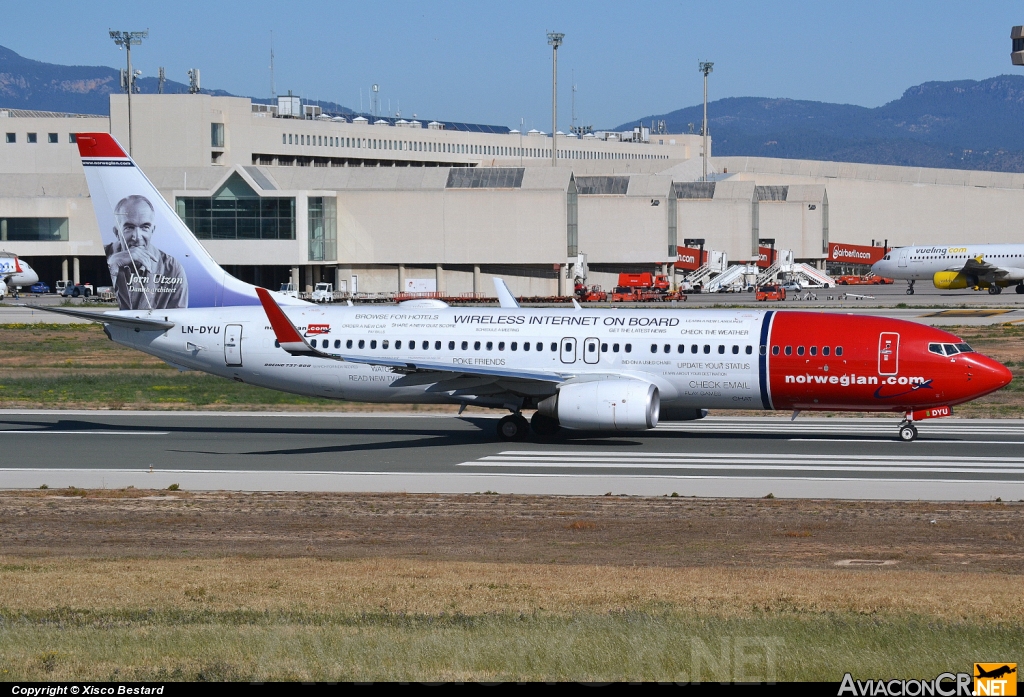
(84, 89)
(964, 124)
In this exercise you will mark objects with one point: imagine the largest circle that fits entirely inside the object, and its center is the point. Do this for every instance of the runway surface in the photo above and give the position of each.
(746, 457)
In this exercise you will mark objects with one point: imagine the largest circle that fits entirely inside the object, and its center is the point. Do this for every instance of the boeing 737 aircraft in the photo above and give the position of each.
(600, 370)
(992, 266)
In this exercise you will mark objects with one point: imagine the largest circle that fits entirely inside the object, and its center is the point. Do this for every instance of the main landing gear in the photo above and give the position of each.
(995, 290)
(1020, 289)
(514, 427)
(910, 287)
(908, 432)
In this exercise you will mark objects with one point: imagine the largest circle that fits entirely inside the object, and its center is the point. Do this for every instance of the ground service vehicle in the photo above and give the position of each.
(608, 370)
(39, 288)
(323, 293)
(72, 290)
(770, 292)
(289, 290)
(868, 280)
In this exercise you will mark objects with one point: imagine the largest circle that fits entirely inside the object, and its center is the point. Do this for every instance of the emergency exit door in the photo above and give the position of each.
(233, 344)
(888, 353)
(568, 350)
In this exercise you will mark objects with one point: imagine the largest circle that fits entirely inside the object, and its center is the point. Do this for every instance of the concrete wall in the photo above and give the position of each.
(902, 204)
(725, 222)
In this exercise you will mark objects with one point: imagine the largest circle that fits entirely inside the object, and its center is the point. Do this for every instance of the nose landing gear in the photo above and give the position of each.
(910, 287)
(908, 432)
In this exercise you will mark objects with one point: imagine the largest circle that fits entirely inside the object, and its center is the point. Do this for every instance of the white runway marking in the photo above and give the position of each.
(823, 464)
(895, 440)
(42, 432)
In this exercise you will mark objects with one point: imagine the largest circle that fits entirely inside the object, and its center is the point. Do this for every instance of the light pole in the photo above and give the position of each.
(125, 40)
(705, 67)
(554, 41)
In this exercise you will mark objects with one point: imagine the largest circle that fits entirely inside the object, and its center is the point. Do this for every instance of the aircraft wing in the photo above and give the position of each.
(983, 269)
(292, 341)
(107, 318)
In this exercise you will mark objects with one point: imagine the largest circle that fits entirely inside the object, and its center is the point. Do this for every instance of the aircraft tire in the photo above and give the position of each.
(1020, 289)
(544, 426)
(908, 433)
(512, 428)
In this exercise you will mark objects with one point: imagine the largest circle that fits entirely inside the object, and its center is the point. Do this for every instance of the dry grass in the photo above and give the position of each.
(468, 588)
(153, 585)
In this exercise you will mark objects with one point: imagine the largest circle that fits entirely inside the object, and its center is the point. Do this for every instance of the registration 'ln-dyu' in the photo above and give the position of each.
(600, 370)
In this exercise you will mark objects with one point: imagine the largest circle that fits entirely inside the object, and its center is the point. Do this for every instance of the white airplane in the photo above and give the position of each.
(15, 273)
(992, 266)
(599, 370)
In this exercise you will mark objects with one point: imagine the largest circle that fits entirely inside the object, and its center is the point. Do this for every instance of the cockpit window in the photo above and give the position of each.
(936, 348)
(964, 348)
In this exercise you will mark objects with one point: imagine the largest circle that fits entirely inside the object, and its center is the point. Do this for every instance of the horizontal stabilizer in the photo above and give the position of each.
(108, 318)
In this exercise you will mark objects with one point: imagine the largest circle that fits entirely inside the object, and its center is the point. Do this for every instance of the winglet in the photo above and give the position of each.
(284, 331)
(505, 297)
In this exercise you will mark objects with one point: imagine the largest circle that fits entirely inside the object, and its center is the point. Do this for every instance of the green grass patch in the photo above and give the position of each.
(67, 644)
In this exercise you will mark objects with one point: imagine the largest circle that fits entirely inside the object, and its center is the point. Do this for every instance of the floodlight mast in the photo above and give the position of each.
(125, 40)
(705, 67)
(554, 41)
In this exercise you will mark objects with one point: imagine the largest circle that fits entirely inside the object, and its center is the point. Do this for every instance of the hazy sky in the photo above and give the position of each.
(490, 63)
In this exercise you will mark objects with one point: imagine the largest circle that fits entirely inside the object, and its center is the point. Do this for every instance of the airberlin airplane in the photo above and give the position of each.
(589, 369)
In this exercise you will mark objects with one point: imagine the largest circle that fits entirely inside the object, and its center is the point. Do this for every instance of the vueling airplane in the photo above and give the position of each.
(595, 370)
(992, 266)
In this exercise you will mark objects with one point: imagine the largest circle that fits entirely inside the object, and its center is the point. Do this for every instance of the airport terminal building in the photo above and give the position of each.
(389, 205)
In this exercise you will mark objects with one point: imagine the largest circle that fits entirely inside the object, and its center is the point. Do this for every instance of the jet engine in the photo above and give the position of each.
(950, 280)
(605, 405)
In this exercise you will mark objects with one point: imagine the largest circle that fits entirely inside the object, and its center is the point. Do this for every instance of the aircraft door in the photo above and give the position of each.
(591, 350)
(233, 344)
(568, 350)
(904, 253)
(888, 353)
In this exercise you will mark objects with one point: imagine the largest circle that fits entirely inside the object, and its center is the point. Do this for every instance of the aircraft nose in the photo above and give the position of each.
(990, 375)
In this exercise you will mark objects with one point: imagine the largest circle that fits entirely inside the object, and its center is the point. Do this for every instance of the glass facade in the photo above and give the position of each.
(323, 228)
(236, 212)
(34, 229)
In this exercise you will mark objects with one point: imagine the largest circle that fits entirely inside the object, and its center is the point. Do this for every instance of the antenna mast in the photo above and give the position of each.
(273, 88)
(573, 128)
